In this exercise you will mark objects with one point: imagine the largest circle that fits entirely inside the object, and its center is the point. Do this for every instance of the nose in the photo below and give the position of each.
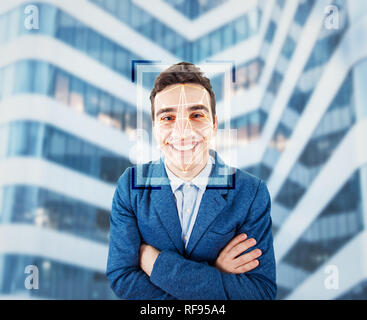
(182, 128)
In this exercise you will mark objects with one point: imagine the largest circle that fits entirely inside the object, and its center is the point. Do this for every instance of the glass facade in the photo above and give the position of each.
(74, 33)
(36, 139)
(214, 42)
(47, 209)
(73, 92)
(59, 280)
(194, 8)
(337, 224)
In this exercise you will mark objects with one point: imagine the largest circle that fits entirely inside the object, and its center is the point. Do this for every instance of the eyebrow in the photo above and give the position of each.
(163, 110)
(192, 108)
(199, 107)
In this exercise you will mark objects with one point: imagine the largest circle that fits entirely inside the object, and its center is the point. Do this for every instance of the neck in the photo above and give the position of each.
(189, 174)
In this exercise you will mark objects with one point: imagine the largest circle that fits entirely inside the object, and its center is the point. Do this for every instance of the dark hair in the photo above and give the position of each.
(183, 72)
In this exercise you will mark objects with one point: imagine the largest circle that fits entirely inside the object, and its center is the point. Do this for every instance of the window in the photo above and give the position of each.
(42, 77)
(66, 27)
(123, 10)
(169, 40)
(105, 108)
(108, 52)
(81, 37)
(121, 61)
(270, 32)
(275, 82)
(135, 17)
(240, 28)
(228, 35)
(204, 46)
(288, 47)
(110, 5)
(92, 100)
(77, 95)
(216, 42)
(55, 146)
(13, 21)
(253, 21)
(62, 87)
(3, 28)
(24, 81)
(94, 45)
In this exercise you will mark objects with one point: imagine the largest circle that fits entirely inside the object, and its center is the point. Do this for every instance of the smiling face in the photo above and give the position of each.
(184, 127)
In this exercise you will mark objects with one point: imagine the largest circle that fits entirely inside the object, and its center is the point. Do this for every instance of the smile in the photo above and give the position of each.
(184, 148)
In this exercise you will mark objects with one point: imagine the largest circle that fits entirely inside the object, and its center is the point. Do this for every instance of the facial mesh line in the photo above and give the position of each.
(183, 114)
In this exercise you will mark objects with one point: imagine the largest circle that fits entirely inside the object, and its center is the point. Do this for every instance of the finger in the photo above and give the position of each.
(241, 247)
(247, 257)
(236, 240)
(247, 267)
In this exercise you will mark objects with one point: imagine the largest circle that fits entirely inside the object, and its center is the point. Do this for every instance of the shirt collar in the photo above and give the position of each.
(200, 181)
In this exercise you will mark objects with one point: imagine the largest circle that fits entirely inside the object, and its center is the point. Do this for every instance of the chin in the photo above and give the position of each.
(178, 160)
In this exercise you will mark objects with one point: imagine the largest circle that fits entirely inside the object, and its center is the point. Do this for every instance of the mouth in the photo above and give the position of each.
(184, 148)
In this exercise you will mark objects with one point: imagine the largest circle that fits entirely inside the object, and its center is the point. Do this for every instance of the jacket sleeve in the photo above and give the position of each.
(126, 278)
(187, 279)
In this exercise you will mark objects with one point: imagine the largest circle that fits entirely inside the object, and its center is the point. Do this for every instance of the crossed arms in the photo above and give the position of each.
(139, 271)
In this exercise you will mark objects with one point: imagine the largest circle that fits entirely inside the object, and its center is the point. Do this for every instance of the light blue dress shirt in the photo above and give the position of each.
(188, 196)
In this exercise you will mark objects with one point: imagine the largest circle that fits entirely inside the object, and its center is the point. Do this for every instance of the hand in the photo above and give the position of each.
(147, 256)
(228, 261)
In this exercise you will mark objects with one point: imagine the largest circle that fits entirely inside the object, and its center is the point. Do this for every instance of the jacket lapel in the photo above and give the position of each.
(212, 203)
(164, 203)
(213, 200)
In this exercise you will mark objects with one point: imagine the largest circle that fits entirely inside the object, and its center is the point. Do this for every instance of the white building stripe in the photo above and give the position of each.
(194, 29)
(250, 100)
(343, 59)
(350, 155)
(95, 73)
(277, 43)
(351, 264)
(71, 60)
(304, 48)
(54, 177)
(40, 108)
(58, 53)
(53, 244)
(104, 23)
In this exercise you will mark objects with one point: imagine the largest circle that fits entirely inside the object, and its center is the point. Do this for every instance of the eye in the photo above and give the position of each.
(197, 115)
(167, 118)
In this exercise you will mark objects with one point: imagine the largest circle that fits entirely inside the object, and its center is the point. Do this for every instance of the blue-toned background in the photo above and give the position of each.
(68, 117)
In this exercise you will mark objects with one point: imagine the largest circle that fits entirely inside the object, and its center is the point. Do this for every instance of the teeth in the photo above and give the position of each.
(184, 148)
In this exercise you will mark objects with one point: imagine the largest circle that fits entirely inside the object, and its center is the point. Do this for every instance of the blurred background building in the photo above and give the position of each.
(68, 114)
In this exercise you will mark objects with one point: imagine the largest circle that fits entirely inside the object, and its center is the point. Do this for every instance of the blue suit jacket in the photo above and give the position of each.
(149, 214)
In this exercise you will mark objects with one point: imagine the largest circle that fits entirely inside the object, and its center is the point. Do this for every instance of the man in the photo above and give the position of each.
(203, 229)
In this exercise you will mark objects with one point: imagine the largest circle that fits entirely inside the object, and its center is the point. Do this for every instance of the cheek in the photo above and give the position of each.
(206, 133)
(162, 134)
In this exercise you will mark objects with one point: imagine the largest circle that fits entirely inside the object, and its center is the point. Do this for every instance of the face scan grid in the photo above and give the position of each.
(184, 125)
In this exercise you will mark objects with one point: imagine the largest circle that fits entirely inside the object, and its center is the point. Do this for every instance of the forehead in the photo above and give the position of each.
(178, 94)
